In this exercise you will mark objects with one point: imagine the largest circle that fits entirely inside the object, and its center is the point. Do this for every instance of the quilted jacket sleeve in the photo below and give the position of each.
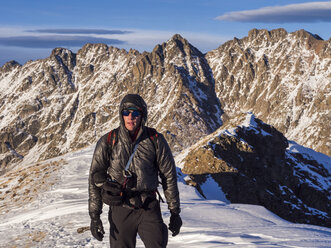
(168, 174)
(100, 162)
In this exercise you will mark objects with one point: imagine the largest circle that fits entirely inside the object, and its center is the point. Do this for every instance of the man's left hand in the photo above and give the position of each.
(175, 224)
(96, 228)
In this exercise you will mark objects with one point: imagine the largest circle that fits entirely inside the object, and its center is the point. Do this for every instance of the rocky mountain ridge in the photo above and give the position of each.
(67, 101)
(253, 163)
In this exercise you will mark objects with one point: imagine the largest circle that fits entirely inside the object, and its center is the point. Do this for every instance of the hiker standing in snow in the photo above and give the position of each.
(124, 174)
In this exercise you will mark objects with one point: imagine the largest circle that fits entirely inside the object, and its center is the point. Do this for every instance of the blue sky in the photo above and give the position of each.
(31, 29)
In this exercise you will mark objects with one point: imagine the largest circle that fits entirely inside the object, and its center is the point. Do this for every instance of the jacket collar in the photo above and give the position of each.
(124, 133)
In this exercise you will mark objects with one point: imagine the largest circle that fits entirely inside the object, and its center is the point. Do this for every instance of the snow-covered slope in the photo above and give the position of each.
(53, 219)
(254, 163)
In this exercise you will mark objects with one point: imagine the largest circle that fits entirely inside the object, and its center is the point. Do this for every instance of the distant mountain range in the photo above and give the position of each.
(65, 102)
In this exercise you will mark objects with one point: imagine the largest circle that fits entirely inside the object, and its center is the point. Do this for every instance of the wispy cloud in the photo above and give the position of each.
(303, 13)
(79, 31)
(25, 43)
(52, 41)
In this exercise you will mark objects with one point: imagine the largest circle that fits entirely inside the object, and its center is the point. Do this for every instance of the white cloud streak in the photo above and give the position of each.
(52, 41)
(293, 13)
(78, 31)
(21, 44)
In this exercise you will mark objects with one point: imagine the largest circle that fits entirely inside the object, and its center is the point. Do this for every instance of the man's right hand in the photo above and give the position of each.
(97, 229)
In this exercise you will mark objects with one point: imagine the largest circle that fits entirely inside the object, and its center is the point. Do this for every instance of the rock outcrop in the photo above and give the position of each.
(254, 163)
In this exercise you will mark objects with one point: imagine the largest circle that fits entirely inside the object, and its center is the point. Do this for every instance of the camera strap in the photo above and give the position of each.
(152, 135)
(126, 171)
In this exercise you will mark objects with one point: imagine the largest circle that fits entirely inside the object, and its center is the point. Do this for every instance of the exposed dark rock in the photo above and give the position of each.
(258, 169)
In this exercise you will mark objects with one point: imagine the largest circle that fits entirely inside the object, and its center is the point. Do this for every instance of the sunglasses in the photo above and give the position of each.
(134, 113)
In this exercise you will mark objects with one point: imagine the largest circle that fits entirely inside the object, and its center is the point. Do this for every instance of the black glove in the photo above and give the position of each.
(97, 229)
(175, 223)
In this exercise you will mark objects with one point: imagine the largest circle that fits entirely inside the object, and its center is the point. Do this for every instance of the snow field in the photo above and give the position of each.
(53, 219)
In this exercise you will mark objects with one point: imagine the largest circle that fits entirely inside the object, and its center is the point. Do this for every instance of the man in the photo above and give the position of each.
(124, 173)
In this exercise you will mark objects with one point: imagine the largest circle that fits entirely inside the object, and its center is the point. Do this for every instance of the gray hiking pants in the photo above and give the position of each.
(147, 222)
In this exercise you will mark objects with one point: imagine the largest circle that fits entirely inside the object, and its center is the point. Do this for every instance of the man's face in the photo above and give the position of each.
(132, 119)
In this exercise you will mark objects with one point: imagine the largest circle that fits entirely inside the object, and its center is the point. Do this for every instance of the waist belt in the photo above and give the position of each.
(137, 199)
(130, 193)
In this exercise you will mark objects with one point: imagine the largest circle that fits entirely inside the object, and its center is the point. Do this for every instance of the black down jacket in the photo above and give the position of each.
(149, 162)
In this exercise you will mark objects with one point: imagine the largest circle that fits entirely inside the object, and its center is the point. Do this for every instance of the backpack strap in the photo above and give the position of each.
(152, 134)
(109, 136)
(112, 139)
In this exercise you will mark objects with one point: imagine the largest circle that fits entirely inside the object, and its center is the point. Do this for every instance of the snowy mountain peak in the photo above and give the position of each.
(177, 44)
(8, 67)
(64, 57)
(68, 101)
(284, 78)
(304, 35)
(266, 34)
